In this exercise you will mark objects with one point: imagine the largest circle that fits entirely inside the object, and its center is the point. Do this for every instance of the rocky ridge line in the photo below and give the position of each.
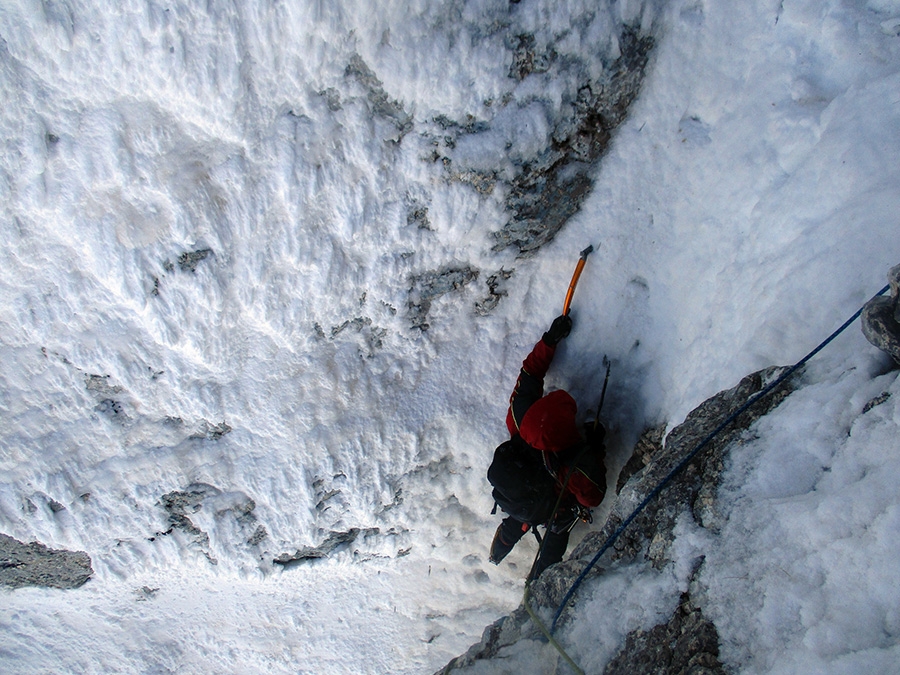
(688, 642)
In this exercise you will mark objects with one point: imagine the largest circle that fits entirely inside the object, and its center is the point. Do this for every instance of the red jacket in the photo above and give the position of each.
(547, 423)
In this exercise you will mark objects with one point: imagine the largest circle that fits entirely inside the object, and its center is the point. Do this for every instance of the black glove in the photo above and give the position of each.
(558, 330)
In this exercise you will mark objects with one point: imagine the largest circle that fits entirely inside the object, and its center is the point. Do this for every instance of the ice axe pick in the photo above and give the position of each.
(572, 284)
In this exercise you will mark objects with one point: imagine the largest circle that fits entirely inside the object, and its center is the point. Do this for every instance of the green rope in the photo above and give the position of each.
(546, 631)
(527, 594)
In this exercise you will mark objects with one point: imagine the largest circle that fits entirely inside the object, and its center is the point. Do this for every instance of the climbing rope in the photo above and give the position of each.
(526, 597)
(684, 462)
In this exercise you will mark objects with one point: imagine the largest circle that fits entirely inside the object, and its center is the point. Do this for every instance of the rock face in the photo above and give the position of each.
(551, 188)
(234, 507)
(650, 533)
(334, 541)
(687, 645)
(688, 642)
(540, 183)
(881, 318)
(36, 565)
(427, 287)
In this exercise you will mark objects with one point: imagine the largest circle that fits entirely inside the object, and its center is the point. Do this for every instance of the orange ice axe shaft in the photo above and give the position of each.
(572, 284)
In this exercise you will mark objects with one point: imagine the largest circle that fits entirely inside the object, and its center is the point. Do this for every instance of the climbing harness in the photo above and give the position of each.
(584, 514)
(548, 633)
(693, 453)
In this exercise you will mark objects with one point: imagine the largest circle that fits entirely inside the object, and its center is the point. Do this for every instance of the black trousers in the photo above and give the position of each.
(553, 547)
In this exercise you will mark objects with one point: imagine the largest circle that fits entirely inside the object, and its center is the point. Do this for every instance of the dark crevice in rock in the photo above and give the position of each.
(332, 542)
(37, 565)
(551, 189)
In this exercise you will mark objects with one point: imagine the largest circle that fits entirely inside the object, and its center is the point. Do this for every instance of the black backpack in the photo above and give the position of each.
(523, 488)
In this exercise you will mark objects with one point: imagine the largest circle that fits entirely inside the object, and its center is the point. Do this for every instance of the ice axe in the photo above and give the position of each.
(580, 266)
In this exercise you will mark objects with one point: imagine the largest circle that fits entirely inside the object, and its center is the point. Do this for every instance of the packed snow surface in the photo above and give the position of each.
(215, 218)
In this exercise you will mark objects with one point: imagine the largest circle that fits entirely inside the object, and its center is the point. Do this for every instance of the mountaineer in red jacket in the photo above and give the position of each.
(548, 454)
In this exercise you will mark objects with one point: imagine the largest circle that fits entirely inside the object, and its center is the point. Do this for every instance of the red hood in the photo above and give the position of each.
(549, 423)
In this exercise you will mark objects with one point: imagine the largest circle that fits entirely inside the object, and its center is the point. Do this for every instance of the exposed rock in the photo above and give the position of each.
(878, 400)
(370, 337)
(428, 286)
(418, 215)
(357, 324)
(527, 59)
(881, 318)
(182, 504)
(189, 260)
(37, 565)
(113, 409)
(648, 446)
(470, 126)
(100, 384)
(687, 645)
(484, 182)
(694, 488)
(258, 536)
(211, 432)
(496, 291)
(550, 189)
(145, 593)
(382, 105)
(334, 541)
(332, 98)
(501, 633)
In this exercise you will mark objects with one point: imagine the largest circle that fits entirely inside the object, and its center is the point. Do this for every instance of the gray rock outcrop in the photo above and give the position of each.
(332, 542)
(687, 645)
(881, 318)
(37, 565)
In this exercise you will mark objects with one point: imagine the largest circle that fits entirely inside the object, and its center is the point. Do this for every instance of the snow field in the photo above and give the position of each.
(746, 208)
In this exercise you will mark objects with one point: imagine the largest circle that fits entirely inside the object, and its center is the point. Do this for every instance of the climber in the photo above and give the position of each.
(546, 456)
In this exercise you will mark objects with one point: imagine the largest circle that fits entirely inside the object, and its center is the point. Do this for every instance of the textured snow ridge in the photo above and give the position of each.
(268, 271)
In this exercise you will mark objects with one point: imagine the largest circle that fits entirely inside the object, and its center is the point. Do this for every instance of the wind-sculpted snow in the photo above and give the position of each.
(225, 226)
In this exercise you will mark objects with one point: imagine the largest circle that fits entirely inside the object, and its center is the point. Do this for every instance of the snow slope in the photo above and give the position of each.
(744, 210)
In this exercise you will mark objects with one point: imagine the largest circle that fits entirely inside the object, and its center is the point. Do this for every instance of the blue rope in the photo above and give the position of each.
(684, 462)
